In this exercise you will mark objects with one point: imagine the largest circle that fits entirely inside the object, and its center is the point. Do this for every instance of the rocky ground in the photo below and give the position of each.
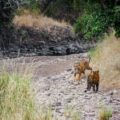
(55, 87)
(50, 40)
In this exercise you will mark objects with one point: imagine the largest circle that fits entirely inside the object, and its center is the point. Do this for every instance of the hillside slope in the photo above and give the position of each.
(40, 35)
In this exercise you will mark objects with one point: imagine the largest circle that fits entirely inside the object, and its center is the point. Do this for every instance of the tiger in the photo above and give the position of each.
(77, 74)
(93, 81)
(80, 67)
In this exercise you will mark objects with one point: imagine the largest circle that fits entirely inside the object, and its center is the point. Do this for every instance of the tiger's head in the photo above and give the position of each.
(94, 75)
(96, 72)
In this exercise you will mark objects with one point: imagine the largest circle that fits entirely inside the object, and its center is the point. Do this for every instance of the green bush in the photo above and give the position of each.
(96, 20)
(7, 8)
(56, 7)
(32, 5)
(117, 20)
(92, 24)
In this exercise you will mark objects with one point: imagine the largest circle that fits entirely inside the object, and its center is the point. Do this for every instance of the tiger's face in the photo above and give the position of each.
(95, 75)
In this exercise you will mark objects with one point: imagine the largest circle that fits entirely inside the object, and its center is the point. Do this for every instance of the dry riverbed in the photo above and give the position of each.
(54, 86)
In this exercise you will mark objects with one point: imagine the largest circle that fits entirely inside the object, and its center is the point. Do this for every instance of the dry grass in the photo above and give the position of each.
(16, 94)
(106, 58)
(20, 66)
(105, 114)
(37, 21)
(71, 113)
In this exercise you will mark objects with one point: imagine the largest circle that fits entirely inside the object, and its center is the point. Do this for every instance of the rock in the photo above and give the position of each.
(88, 96)
(68, 70)
(58, 104)
(54, 40)
(48, 94)
(69, 99)
(112, 92)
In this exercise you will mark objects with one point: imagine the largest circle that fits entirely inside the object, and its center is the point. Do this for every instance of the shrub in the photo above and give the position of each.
(32, 5)
(96, 20)
(117, 20)
(93, 23)
(105, 114)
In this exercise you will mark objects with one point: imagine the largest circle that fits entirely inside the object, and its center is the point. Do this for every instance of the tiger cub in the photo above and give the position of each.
(79, 68)
(93, 81)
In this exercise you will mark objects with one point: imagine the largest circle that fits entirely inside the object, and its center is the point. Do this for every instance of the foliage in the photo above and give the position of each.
(94, 17)
(93, 24)
(8, 8)
(67, 10)
(96, 20)
(7, 11)
(117, 20)
(32, 5)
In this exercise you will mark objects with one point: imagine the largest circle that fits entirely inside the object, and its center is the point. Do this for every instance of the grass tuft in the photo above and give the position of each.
(105, 114)
(71, 113)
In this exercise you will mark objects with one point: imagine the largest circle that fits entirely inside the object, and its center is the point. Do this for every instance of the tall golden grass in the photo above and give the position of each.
(28, 19)
(106, 58)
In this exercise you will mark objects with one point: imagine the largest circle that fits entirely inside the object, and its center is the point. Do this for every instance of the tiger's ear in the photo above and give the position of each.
(97, 71)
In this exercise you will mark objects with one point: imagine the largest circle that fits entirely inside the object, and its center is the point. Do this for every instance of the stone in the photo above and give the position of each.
(58, 104)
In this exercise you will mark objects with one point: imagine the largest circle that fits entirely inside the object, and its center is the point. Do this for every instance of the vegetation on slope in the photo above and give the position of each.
(92, 18)
(32, 20)
(98, 17)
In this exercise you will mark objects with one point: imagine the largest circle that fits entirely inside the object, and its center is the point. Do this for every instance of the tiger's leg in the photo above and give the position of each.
(89, 86)
(93, 87)
(74, 74)
(97, 86)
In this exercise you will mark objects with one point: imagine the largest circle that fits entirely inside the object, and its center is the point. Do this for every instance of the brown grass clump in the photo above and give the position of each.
(27, 19)
(105, 114)
(106, 58)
